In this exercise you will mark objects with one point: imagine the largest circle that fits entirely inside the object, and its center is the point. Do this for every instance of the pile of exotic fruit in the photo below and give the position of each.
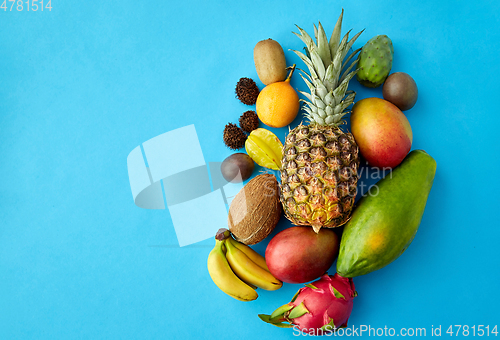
(319, 163)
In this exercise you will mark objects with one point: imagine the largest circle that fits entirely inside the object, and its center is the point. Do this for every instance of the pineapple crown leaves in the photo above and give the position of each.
(328, 76)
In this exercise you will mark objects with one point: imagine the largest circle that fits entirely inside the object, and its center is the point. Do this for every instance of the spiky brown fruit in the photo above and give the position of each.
(247, 91)
(234, 137)
(249, 121)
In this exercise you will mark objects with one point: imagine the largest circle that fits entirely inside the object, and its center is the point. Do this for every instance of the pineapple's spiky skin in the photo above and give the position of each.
(375, 61)
(319, 174)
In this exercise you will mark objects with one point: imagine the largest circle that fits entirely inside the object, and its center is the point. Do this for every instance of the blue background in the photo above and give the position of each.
(84, 84)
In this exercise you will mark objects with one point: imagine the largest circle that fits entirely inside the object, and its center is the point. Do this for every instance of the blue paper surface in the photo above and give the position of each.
(86, 83)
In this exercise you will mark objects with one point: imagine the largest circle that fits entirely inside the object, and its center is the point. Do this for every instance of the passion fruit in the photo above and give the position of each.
(401, 90)
(237, 168)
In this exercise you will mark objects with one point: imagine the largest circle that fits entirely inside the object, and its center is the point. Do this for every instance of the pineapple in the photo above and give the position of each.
(319, 171)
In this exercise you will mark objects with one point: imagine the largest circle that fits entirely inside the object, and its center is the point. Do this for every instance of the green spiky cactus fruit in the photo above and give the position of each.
(375, 61)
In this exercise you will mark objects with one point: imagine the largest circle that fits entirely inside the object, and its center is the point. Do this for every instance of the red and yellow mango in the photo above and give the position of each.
(382, 132)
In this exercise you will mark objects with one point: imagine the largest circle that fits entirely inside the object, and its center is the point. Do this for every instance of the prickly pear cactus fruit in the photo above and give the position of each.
(375, 61)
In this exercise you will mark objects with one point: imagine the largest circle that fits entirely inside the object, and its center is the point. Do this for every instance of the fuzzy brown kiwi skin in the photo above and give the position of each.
(270, 62)
(401, 90)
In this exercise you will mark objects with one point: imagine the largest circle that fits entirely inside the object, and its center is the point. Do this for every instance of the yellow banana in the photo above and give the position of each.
(249, 271)
(252, 254)
(224, 278)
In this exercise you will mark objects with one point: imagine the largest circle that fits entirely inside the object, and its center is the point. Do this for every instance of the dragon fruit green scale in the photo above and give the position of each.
(375, 61)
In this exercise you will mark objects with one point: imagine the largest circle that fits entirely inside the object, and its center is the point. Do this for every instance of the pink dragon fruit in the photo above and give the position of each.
(319, 307)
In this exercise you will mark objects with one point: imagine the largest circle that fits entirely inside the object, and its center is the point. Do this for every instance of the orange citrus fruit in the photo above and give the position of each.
(278, 103)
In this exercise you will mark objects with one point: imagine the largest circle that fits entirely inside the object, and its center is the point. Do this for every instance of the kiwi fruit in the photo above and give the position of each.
(270, 62)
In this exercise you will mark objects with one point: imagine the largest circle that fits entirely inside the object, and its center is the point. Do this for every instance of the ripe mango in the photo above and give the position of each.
(299, 254)
(382, 132)
(385, 221)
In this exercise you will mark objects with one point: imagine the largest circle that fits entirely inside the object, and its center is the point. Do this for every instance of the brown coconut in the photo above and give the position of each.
(256, 210)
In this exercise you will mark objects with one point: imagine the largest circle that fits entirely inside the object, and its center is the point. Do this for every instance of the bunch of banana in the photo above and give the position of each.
(237, 269)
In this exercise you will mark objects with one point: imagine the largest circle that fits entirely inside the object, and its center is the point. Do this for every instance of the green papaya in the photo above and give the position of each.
(383, 225)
